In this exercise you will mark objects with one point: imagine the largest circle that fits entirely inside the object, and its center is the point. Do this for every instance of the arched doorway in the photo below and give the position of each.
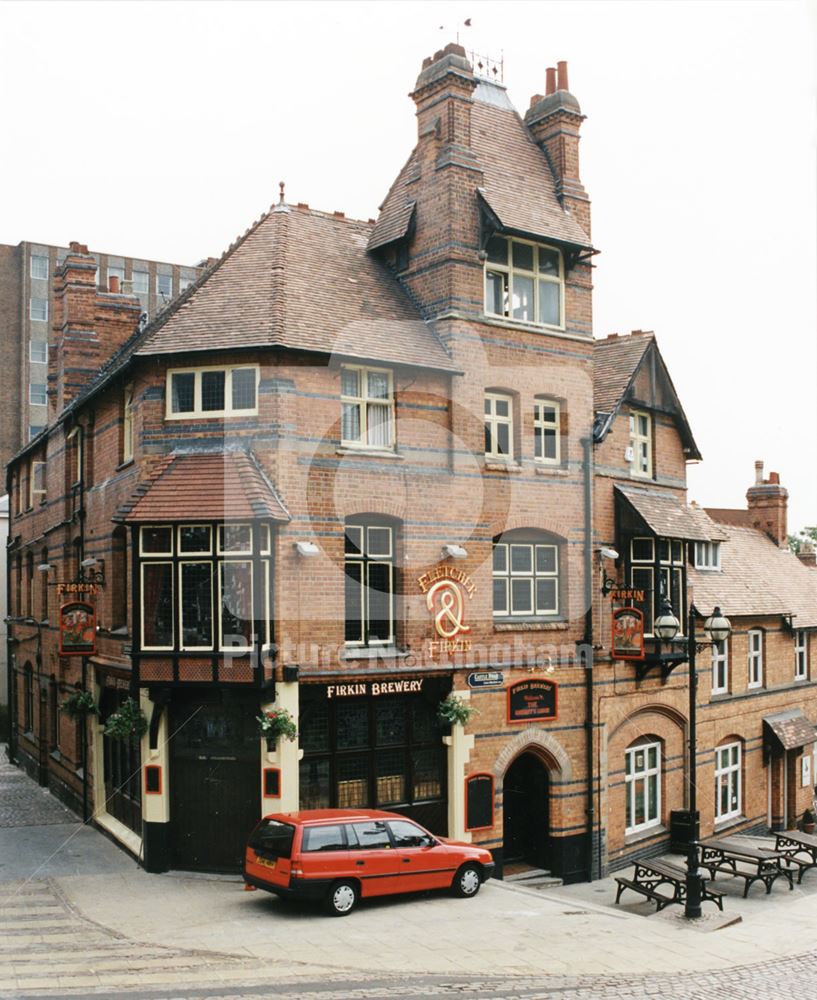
(526, 820)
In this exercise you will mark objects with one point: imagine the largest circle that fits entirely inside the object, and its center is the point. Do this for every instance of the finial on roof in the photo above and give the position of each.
(281, 206)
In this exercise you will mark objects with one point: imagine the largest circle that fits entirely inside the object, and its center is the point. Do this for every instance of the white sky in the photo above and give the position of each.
(162, 130)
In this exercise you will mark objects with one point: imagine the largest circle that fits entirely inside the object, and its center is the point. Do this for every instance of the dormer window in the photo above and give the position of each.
(708, 555)
(524, 281)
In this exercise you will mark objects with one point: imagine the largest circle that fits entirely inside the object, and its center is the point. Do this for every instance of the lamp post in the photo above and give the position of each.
(717, 629)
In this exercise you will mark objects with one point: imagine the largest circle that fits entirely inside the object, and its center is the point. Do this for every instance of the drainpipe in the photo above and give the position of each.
(11, 663)
(589, 722)
(81, 516)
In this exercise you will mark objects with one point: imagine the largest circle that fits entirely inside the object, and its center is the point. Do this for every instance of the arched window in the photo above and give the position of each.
(527, 576)
(642, 784)
(369, 558)
(728, 780)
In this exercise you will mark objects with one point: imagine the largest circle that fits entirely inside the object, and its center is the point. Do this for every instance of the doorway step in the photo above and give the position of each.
(530, 878)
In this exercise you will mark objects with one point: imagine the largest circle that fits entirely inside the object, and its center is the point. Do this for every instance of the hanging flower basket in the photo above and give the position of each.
(454, 709)
(275, 724)
(79, 705)
(127, 722)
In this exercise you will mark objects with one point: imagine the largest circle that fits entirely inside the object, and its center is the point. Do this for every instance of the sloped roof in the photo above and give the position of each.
(666, 515)
(615, 361)
(757, 578)
(302, 279)
(205, 486)
(790, 729)
(517, 183)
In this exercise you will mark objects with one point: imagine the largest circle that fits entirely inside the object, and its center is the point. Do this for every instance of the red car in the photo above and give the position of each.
(338, 856)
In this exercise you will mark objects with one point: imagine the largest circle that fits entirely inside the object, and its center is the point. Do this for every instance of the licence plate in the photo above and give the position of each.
(266, 862)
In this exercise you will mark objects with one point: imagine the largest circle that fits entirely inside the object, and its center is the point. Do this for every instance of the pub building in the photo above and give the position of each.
(357, 468)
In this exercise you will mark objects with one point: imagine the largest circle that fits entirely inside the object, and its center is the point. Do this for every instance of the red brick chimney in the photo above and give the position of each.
(554, 121)
(89, 327)
(767, 501)
(443, 96)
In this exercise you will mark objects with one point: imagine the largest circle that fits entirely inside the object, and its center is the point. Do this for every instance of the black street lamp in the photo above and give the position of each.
(717, 629)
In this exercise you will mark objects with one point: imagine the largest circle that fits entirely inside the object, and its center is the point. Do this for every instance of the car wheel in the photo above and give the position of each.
(467, 881)
(342, 898)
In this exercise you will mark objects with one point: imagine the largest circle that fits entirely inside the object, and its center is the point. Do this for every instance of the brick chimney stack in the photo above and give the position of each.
(554, 121)
(767, 501)
(89, 327)
(443, 97)
(807, 555)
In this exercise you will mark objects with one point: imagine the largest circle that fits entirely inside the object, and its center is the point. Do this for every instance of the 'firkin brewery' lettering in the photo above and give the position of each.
(375, 688)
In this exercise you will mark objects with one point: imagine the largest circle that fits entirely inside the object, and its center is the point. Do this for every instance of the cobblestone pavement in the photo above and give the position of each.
(55, 943)
(24, 803)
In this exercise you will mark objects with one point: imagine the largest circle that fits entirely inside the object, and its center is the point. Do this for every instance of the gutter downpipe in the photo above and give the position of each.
(11, 664)
(589, 722)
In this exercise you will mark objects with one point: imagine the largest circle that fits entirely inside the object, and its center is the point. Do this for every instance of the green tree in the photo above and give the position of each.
(804, 535)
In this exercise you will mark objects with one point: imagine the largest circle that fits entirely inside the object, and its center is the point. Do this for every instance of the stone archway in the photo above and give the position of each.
(538, 741)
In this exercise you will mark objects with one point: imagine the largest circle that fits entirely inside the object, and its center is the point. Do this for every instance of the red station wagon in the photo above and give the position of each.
(339, 855)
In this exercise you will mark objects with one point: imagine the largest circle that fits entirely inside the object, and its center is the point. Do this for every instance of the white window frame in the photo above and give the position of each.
(543, 426)
(365, 560)
(31, 301)
(363, 402)
(637, 440)
(509, 270)
(138, 287)
(142, 566)
(31, 356)
(35, 492)
(708, 556)
(185, 283)
(503, 556)
(38, 402)
(493, 420)
(43, 257)
(728, 772)
(192, 561)
(800, 654)
(127, 424)
(755, 657)
(720, 667)
(164, 296)
(651, 779)
(197, 411)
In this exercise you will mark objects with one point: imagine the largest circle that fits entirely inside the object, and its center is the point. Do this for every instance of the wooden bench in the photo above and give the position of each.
(661, 898)
(793, 842)
(757, 864)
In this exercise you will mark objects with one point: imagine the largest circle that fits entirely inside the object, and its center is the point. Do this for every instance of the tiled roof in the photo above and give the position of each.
(205, 486)
(665, 514)
(730, 515)
(302, 279)
(757, 578)
(791, 729)
(517, 184)
(615, 361)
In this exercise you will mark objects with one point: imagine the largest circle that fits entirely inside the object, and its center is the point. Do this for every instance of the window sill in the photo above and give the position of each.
(498, 465)
(726, 824)
(374, 653)
(124, 465)
(530, 625)
(522, 324)
(368, 452)
(645, 834)
(550, 470)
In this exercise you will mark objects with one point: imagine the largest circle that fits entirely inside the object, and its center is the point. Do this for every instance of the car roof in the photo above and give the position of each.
(320, 816)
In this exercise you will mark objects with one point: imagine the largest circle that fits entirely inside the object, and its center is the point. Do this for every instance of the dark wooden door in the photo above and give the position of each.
(215, 779)
(525, 811)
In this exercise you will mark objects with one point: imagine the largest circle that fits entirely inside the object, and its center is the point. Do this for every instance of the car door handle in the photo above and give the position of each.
(406, 861)
(359, 863)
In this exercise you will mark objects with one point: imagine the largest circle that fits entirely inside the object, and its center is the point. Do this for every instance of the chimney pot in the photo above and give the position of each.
(536, 99)
(561, 74)
(758, 473)
(113, 283)
(612, 336)
(550, 81)
(774, 477)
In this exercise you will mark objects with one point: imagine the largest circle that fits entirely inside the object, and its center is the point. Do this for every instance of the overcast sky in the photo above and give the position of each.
(162, 130)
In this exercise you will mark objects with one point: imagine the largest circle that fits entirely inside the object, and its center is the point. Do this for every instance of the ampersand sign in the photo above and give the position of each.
(448, 619)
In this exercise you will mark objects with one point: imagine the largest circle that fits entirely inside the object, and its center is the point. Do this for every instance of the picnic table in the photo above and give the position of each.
(665, 883)
(752, 864)
(793, 842)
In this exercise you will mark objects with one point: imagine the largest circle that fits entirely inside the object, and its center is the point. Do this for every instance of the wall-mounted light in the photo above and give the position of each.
(45, 567)
(454, 552)
(307, 549)
(607, 583)
(87, 574)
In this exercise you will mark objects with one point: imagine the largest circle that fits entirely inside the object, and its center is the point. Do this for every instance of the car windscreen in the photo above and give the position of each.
(272, 839)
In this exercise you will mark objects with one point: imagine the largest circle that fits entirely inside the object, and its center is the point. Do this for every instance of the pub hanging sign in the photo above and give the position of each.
(628, 634)
(532, 700)
(77, 629)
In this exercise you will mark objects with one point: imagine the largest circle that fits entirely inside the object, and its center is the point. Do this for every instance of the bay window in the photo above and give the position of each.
(657, 566)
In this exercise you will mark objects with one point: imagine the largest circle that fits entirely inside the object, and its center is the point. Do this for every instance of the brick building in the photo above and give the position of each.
(26, 311)
(349, 471)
